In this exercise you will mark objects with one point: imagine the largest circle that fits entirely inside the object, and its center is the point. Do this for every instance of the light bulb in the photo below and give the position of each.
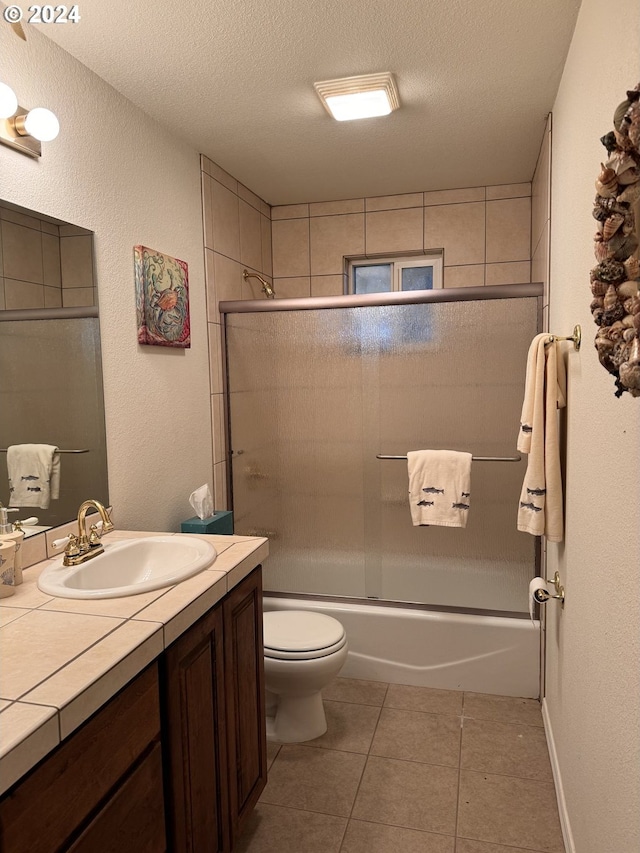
(42, 124)
(8, 101)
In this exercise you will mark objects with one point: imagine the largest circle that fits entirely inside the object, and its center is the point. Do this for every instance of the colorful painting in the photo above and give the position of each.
(162, 299)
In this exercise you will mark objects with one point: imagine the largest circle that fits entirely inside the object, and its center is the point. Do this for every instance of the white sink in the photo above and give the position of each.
(129, 567)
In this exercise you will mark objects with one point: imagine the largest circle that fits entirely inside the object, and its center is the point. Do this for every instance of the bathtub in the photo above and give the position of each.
(452, 651)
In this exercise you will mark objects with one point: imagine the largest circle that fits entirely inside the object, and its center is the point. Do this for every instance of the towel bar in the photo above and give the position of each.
(474, 458)
(576, 337)
(4, 450)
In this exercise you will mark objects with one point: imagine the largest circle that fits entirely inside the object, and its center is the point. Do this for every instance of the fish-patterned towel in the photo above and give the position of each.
(540, 506)
(439, 487)
(34, 474)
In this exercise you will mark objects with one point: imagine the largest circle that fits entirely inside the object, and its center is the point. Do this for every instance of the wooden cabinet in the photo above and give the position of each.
(214, 724)
(80, 785)
(195, 738)
(245, 698)
(182, 746)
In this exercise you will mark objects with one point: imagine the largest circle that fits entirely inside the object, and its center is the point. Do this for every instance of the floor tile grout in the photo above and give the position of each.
(352, 727)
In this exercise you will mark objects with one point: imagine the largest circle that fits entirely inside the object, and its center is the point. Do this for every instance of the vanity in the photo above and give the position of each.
(137, 723)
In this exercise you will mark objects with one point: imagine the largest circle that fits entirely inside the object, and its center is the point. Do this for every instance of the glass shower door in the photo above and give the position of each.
(316, 395)
(447, 376)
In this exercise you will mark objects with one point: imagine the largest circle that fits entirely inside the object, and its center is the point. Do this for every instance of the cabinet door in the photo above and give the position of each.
(244, 681)
(42, 811)
(195, 742)
(132, 821)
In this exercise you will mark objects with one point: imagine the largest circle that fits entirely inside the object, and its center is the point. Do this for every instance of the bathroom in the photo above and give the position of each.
(123, 175)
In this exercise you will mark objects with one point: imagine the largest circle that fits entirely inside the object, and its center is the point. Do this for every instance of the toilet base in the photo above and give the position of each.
(297, 719)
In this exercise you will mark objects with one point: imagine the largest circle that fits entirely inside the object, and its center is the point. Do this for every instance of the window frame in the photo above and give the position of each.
(398, 263)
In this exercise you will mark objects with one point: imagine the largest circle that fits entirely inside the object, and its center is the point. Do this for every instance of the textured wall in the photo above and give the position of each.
(115, 171)
(593, 654)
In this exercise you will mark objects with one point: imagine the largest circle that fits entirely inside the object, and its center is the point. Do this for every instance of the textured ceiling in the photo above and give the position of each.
(235, 79)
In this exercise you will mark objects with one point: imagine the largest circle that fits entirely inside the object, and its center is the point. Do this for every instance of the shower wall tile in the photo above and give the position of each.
(290, 246)
(220, 486)
(23, 294)
(508, 191)
(215, 358)
(394, 202)
(517, 272)
(226, 221)
(76, 261)
(51, 260)
(265, 228)
(212, 169)
(332, 238)
(330, 208)
(540, 261)
(454, 196)
(290, 211)
(217, 419)
(250, 236)
(459, 229)
(470, 275)
(19, 218)
(77, 297)
(328, 285)
(391, 231)
(509, 230)
(250, 197)
(292, 288)
(22, 251)
(224, 284)
(207, 210)
(49, 228)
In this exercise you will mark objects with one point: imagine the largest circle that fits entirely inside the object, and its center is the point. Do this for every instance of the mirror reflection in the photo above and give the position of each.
(50, 367)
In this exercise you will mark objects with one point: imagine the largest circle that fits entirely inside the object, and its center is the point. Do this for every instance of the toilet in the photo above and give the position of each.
(303, 652)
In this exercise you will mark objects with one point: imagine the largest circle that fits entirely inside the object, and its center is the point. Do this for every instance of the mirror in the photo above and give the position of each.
(50, 359)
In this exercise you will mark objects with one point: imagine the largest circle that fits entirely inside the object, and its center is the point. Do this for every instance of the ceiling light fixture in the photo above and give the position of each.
(365, 96)
(23, 129)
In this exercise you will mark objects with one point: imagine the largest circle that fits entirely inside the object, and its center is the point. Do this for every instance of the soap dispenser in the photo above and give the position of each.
(9, 534)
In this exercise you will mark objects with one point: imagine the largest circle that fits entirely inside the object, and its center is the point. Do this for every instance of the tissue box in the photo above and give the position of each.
(220, 523)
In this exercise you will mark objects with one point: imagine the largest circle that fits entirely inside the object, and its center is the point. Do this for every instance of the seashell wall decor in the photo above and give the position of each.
(615, 281)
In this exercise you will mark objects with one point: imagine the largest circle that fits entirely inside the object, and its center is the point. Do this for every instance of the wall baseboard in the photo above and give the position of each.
(565, 825)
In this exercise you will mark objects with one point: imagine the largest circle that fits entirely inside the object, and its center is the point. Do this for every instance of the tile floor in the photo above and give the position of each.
(411, 770)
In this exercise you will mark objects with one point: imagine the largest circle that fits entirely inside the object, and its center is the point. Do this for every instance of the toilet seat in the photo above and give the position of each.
(301, 635)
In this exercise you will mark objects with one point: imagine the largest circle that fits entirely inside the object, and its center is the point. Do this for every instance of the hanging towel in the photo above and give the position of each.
(439, 487)
(540, 505)
(34, 474)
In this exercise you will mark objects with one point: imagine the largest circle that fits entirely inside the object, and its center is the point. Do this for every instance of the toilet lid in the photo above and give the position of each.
(301, 634)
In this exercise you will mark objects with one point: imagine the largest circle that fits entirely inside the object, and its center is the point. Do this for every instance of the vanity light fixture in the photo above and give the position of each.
(23, 129)
(365, 96)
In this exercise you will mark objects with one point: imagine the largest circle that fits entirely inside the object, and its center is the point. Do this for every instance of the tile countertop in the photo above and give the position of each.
(63, 658)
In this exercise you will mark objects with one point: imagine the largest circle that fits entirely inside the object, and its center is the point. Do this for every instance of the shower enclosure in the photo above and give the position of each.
(316, 394)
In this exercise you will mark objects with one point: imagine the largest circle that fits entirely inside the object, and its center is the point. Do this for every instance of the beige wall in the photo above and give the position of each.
(237, 236)
(117, 173)
(484, 231)
(593, 645)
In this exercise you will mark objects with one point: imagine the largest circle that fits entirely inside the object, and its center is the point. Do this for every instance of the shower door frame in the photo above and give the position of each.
(415, 297)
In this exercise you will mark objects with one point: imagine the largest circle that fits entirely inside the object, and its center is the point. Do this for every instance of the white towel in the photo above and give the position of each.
(540, 505)
(34, 474)
(439, 487)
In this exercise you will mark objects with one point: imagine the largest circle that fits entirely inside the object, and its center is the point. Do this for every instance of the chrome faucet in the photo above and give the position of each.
(82, 547)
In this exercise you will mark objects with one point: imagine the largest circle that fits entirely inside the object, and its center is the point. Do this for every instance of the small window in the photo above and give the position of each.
(384, 276)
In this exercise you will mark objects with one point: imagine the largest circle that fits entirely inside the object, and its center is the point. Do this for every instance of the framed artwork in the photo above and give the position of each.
(162, 299)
